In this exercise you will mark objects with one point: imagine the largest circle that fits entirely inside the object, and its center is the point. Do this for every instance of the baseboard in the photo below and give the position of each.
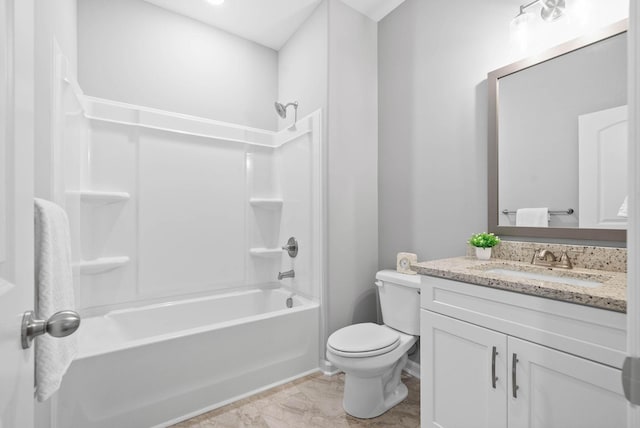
(412, 368)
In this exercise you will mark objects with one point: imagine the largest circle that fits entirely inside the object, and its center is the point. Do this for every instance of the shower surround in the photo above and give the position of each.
(167, 210)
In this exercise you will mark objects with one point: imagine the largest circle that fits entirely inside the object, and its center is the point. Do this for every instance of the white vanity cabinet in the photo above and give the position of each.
(478, 343)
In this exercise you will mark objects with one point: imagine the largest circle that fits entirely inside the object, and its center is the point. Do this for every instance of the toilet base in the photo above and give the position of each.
(367, 398)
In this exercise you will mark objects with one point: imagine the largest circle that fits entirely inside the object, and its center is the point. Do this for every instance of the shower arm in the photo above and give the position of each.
(295, 110)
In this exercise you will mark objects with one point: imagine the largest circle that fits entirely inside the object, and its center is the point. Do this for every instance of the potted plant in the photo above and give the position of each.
(483, 242)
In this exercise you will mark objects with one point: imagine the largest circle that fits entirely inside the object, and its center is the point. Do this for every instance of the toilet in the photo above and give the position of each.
(372, 356)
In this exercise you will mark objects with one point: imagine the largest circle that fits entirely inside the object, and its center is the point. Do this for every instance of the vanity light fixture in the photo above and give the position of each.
(550, 11)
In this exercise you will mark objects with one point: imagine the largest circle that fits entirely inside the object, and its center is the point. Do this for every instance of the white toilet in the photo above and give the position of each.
(372, 356)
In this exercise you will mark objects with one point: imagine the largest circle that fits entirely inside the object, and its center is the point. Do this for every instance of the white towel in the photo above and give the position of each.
(54, 285)
(532, 217)
(623, 211)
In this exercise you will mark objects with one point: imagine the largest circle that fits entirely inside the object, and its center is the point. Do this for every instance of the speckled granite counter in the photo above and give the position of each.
(610, 295)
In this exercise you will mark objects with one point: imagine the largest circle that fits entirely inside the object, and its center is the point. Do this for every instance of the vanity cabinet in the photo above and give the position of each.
(556, 389)
(487, 362)
(456, 374)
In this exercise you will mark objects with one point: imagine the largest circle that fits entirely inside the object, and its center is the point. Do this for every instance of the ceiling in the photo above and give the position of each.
(374, 9)
(268, 22)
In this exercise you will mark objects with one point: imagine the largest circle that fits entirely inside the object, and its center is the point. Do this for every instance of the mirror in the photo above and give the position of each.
(558, 141)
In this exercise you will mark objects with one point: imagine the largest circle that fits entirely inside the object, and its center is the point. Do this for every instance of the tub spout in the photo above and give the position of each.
(287, 274)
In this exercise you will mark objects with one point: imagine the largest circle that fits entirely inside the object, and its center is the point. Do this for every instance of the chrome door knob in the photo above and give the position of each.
(60, 324)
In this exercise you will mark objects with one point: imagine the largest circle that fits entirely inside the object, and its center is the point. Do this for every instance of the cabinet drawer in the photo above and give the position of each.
(592, 333)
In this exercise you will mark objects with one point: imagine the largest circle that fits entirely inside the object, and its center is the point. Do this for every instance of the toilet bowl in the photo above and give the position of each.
(372, 356)
(372, 374)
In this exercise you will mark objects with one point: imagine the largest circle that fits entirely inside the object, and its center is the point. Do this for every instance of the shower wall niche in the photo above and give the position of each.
(164, 205)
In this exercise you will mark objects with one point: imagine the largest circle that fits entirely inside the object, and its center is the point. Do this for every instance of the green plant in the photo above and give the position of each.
(484, 240)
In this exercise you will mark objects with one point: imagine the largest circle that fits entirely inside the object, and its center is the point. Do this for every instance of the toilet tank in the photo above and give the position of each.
(399, 300)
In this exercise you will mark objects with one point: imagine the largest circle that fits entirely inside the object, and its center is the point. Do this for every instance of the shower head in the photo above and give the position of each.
(281, 109)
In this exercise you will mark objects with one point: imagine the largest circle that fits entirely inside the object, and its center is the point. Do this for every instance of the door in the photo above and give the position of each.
(559, 390)
(602, 168)
(633, 232)
(463, 372)
(16, 210)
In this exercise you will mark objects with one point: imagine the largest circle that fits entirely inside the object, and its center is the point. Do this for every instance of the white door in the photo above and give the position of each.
(16, 210)
(602, 168)
(463, 372)
(558, 390)
(633, 232)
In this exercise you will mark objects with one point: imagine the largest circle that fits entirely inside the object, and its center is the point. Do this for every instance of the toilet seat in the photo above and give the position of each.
(363, 340)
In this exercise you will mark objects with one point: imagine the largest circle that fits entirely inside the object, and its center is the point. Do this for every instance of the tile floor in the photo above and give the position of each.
(311, 401)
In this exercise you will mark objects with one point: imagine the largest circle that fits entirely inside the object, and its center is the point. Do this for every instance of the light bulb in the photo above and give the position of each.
(519, 29)
(521, 20)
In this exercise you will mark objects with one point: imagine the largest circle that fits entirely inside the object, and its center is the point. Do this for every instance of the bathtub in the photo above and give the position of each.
(159, 364)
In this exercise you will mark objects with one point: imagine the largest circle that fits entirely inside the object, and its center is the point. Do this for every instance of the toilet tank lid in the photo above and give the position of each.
(399, 278)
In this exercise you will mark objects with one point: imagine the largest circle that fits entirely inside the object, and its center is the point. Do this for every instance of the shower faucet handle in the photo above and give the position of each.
(291, 247)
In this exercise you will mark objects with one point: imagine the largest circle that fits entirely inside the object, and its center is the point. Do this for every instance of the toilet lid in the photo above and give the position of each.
(363, 340)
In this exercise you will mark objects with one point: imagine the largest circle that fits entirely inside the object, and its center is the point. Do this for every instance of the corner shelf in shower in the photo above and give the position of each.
(266, 203)
(265, 252)
(100, 265)
(99, 197)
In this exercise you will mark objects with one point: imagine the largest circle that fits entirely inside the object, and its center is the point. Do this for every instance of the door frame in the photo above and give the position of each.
(633, 231)
(16, 198)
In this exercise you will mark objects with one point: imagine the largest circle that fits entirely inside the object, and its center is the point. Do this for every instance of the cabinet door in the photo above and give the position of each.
(457, 388)
(558, 390)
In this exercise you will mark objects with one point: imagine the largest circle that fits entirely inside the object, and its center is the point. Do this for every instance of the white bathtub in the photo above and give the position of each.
(159, 364)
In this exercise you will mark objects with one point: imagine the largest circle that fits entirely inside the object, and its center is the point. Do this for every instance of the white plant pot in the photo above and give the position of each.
(483, 253)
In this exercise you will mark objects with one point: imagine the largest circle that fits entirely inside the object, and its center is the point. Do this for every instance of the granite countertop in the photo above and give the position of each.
(610, 295)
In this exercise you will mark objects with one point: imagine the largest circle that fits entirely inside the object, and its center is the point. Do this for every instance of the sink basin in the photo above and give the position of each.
(571, 280)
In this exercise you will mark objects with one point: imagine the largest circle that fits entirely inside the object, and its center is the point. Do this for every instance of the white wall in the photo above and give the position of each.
(303, 67)
(134, 52)
(303, 77)
(352, 175)
(433, 62)
(55, 23)
(190, 225)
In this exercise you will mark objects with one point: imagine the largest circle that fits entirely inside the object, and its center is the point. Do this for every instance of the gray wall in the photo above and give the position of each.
(352, 167)
(433, 62)
(433, 123)
(135, 52)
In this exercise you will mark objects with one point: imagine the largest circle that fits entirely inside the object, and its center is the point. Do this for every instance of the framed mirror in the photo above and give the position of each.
(557, 156)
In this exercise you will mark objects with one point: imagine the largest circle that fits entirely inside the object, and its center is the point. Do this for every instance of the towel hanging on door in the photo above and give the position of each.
(54, 292)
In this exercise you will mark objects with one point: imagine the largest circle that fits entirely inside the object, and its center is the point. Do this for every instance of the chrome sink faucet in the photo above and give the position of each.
(287, 274)
(548, 259)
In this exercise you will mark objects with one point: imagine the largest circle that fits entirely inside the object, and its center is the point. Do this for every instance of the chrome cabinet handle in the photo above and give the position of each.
(60, 324)
(514, 383)
(494, 379)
